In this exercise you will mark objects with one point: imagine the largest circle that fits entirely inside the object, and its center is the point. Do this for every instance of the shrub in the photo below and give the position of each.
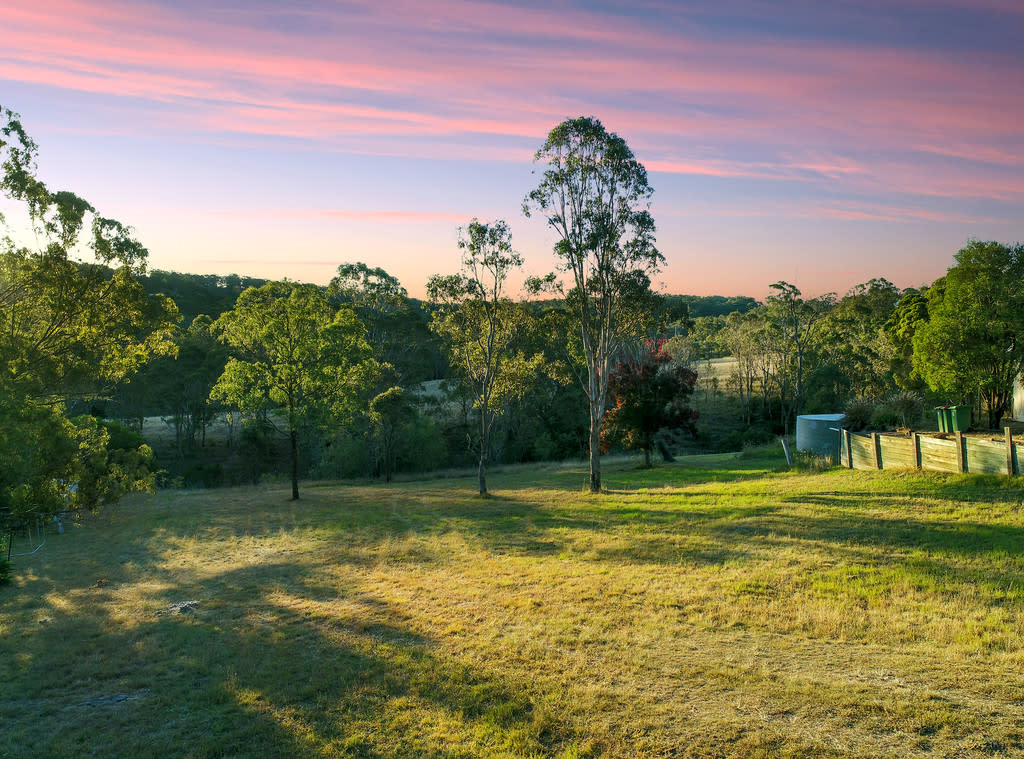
(422, 447)
(5, 564)
(345, 455)
(122, 437)
(811, 463)
(906, 407)
(257, 449)
(885, 418)
(860, 413)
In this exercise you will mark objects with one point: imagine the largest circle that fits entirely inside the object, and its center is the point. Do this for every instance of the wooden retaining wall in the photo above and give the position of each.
(955, 454)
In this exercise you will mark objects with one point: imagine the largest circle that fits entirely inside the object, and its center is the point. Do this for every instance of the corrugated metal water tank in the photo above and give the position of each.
(818, 434)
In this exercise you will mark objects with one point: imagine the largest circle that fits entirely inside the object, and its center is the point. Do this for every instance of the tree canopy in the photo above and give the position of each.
(481, 325)
(596, 198)
(68, 328)
(293, 351)
(974, 335)
(649, 393)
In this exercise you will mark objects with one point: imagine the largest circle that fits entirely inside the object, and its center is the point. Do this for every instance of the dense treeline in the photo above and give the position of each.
(429, 430)
(68, 331)
(879, 353)
(232, 379)
(868, 352)
(195, 294)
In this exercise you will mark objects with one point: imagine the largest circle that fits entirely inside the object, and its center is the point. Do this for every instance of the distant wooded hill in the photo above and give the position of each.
(213, 294)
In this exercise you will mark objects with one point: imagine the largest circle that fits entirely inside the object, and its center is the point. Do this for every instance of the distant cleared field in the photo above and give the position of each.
(721, 368)
(717, 607)
(159, 431)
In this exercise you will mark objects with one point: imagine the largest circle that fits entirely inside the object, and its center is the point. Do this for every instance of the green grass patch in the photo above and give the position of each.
(717, 607)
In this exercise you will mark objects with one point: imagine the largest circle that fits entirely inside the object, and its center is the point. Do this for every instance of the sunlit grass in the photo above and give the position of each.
(716, 607)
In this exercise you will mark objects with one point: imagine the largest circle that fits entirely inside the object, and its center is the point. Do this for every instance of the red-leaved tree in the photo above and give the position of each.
(647, 394)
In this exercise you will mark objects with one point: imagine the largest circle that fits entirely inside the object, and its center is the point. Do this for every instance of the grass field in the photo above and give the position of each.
(717, 607)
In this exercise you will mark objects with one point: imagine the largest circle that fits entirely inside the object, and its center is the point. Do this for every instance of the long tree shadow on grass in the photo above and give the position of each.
(271, 661)
(655, 531)
(842, 519)
(622, 477)
(938, 552)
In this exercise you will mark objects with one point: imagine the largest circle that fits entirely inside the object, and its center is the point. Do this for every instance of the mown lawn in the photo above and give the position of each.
(717, 607)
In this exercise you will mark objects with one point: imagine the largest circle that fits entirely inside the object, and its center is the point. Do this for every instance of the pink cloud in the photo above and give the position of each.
(373, 81)
(850, 210)
(344, 214)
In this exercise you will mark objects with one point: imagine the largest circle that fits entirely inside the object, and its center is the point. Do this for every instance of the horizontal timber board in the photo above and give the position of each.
(898, 453)
(937, 454)
(899, 460)
(985, 456)
(861, 444)
(933, 464)
(937, 445)
(863, 462)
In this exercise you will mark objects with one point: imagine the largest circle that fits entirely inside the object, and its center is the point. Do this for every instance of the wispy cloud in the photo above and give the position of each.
(854, 125)
(341, 214)
(475, 68)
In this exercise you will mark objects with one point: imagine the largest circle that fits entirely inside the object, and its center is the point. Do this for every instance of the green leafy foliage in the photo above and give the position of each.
(293, 351)
(178, 387)
(853, 342)
(859, 414)
(390, 411)
(972, 339)
(904, 408)
(196, 294)
(596, 198)
(481, 326)
(50, 463)
(397, 329)
(911, 311)
(68, 328)
(792, 322)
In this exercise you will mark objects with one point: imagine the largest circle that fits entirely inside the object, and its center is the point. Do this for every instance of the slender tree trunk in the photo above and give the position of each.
(295, 464)
(647, 458)
(485, 444)
(595, 447)
(798, 406)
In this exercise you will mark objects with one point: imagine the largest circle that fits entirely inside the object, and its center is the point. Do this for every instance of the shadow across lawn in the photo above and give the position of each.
(624, 477)
(252, 669)
(592, 529)
(842, 520)
(939, 552)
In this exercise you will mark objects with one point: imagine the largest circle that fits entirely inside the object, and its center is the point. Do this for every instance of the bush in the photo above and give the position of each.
(422, 447)
(860, 414)
(345, 455)
(5, 564)
(203, 474)
(122, 437)
(906, 407)
(885, 418)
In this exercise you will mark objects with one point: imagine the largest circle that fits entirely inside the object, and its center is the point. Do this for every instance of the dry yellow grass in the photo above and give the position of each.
(713, 608)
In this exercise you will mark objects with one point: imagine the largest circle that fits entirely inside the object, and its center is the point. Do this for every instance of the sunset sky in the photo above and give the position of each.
(823, 143)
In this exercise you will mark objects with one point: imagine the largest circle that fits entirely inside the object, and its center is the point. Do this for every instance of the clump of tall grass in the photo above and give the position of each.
(901, 409)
